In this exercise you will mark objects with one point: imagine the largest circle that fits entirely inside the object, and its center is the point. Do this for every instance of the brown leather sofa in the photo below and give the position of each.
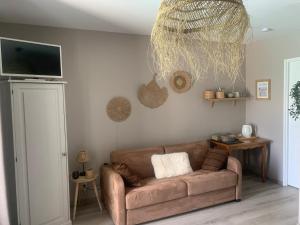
(158, 198)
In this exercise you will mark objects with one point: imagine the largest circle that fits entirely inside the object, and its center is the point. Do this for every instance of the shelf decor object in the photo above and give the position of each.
(89, 173)
(212, 29)
(118, 109)
(180, 82)
(247, 130)
(75, 174)
(263, 89)
(152, 95)
(220, 94)
(208, 94)
(82, 158)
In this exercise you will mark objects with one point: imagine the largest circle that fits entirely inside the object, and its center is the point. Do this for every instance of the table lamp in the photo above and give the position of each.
(83, 158)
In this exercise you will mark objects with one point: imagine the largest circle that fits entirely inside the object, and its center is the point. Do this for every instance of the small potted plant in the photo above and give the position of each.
(295, 107)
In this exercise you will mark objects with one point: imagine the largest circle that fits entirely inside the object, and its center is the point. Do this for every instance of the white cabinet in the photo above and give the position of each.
(40, 151)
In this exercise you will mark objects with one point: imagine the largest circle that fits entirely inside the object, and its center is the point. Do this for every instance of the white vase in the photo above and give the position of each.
(247, 130)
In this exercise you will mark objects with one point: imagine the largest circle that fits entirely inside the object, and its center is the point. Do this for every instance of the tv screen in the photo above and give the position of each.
(30, 59)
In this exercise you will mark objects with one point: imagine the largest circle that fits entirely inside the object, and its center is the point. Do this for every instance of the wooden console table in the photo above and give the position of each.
(258, 143)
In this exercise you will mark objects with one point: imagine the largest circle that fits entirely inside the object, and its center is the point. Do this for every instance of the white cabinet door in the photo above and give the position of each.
(40, 146)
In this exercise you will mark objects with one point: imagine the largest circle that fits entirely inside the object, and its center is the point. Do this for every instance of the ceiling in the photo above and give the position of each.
(137, 16)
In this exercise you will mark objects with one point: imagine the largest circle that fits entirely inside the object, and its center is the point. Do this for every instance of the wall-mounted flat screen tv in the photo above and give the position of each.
(21, 58)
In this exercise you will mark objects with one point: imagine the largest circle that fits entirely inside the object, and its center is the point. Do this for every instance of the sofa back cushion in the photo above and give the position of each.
(130, 179)
(138, 161)
(196, 151)
(215, 160)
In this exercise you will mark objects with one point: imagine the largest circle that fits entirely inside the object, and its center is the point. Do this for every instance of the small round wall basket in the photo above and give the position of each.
(181, 82)
(118, 109)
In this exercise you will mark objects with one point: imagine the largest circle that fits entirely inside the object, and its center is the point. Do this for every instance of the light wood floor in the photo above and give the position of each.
(263, 204)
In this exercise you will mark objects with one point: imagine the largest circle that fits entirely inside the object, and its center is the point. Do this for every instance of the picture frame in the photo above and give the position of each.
(263, 89)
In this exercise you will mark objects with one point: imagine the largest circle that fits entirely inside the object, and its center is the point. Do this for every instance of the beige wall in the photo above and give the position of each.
(99, 66)
(265, 60)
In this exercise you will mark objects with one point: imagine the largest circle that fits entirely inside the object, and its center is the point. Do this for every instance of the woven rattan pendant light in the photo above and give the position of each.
(200, 35)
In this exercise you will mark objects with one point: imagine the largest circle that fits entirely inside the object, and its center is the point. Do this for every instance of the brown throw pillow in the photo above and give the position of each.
(215, 160)
(130, 179)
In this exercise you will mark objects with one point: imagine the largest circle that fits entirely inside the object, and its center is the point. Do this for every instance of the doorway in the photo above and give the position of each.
(291, 127)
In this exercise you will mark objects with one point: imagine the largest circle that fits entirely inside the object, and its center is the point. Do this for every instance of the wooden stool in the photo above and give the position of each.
(84, 180)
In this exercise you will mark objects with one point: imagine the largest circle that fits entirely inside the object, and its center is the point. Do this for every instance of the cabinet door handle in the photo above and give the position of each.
(64, 154)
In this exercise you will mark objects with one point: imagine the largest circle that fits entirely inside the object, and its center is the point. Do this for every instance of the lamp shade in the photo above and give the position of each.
(82, 157)
(186, 29)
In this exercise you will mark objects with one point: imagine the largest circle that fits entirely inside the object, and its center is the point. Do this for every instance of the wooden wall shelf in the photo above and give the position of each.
(233, 100)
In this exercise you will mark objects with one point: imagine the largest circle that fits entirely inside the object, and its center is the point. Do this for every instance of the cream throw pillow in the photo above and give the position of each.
(170, 165)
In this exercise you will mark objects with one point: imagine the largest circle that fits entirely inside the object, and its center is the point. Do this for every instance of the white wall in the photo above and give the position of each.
(265, 60)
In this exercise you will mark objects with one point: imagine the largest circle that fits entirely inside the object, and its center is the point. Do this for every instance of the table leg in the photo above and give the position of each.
(244, 159)
(80, 190)
(97, 196)
(75, 200)
(248, 158)
(264, 162)
(261, 162)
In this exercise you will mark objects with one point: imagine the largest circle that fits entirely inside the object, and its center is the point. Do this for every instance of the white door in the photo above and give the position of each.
(293, 129)
(40, 145)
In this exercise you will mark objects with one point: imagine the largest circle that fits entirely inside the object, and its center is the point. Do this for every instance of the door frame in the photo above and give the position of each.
(286, 118)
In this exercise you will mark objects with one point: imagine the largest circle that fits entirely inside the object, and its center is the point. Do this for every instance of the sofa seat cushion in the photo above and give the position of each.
(153, 180)
(155, 191)
(210, 181)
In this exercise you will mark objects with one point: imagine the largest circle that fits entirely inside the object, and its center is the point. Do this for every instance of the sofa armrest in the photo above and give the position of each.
(234, 165)
(113, 194)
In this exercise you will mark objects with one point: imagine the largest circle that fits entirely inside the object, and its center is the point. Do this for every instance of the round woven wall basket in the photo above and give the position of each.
(181, 82)
(118, 109)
